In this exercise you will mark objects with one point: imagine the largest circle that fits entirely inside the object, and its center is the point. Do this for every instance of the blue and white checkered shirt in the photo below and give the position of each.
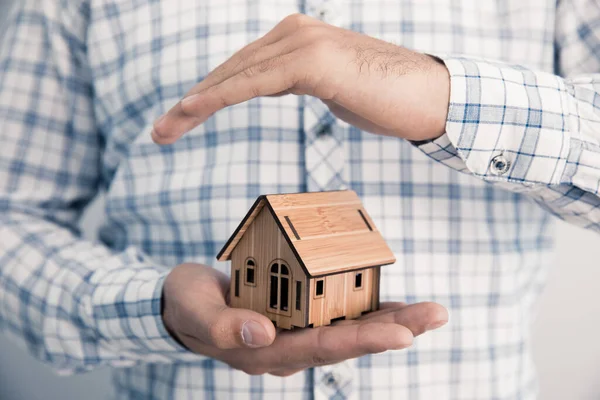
(81, 82)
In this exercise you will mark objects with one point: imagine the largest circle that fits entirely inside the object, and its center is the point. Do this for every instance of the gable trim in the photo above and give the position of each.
(262, 202)
(234, 238)
(287, 238)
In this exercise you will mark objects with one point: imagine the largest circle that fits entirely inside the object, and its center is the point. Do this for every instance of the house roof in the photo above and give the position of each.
(330, 232)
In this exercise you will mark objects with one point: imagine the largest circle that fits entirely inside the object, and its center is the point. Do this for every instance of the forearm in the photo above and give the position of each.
(75, 304)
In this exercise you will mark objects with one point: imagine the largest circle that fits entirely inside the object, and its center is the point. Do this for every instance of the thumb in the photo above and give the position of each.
(230, 328)
(196, 311)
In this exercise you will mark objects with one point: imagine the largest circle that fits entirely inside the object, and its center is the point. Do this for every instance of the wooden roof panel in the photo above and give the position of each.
(313, 199)
(330, 232)
(343, 253)
(323, 221)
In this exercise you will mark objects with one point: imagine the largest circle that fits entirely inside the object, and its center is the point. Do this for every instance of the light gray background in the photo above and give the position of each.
(566, 340)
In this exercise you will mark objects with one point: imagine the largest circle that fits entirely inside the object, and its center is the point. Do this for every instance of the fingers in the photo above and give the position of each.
(265, 78)
(276, 42)
(197, 313)
(257, 56)
(282, 373)
(214, 328)
(384, 308)
(246, 58)
(419, 318)
(386, 305)
(230, 328)
(307, 348)
(391, 328)
(178, 120)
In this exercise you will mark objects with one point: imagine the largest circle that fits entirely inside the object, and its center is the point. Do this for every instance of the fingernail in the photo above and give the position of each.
(189, 100)
(436, 325)
(254, 335)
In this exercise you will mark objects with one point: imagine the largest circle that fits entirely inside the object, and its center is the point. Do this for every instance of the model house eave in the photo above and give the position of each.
(328, 232)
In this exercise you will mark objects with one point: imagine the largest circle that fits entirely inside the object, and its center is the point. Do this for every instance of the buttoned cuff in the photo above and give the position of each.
(126, 307)
(505, 123)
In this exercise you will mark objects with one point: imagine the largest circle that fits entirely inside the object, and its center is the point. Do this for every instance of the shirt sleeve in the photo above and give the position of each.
(70, 302)
(528, 131)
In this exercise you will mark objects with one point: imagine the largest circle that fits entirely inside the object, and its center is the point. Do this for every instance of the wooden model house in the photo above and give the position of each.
(306, 259)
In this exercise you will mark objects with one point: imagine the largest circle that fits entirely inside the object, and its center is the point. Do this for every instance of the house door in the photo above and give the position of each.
(279, 288)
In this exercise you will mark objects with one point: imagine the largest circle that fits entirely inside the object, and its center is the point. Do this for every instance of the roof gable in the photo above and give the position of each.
(330, 232)
(225, 253)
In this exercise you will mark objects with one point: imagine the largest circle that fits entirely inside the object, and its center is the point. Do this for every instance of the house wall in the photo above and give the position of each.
(341, 299)
(264, 243)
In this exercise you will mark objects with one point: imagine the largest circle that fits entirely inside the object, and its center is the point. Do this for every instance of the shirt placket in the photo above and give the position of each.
(336, 382)
(325, 170)
(324, 152)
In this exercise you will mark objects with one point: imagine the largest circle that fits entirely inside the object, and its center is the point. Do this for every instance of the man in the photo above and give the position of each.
(446, 151)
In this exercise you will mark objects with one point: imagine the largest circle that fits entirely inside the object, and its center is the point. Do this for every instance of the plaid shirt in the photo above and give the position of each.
(81, 82)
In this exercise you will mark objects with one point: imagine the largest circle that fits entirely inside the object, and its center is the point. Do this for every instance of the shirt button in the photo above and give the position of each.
(327, 11)
(324, 130)
(331, 379)
(499, 165)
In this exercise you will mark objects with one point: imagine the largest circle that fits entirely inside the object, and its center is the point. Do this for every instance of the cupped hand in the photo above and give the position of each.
(197, 314)
(374, 85)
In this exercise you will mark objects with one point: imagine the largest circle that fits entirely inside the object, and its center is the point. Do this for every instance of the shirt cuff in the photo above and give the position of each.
(126, 309)
(505, 123)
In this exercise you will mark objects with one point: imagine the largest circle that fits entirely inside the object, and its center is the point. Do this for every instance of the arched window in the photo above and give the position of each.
(279, 295)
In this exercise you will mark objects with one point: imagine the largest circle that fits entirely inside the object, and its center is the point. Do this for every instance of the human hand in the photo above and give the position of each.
(196, 312)
(374, 85)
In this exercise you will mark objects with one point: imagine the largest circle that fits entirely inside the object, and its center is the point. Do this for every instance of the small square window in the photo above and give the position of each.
(320, 288)
(358, 280)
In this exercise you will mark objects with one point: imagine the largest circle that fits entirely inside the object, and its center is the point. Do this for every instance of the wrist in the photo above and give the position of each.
(425, 99)
(169, 316)
(438, 89)
(166, 319)
(127, 312)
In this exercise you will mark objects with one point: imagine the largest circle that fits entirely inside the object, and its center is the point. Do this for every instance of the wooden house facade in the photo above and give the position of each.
(306, 259)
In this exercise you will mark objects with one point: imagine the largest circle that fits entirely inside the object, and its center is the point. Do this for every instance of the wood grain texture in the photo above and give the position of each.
(264, 242)
(341, 298)
(344, 253)
(376, 287)
(331, 235)
(324, 221)
(312, 199)
(325, 236)
(331, 232)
